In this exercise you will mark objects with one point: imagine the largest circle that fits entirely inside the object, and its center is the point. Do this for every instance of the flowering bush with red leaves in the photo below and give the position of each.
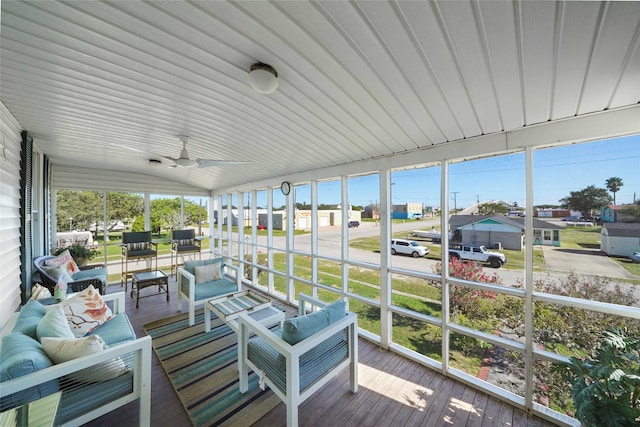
(464, 299)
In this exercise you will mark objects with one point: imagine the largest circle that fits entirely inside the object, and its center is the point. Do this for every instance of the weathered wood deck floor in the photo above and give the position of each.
(393, 391)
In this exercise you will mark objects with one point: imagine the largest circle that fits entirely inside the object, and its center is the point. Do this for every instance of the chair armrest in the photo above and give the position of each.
(141, 346)
(313, 302)
(118, 299)
(199, 238)
(183, 274)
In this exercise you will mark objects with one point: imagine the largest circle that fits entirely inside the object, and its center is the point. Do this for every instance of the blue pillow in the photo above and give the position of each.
(336, 311)
(190, 266)
(23, 355)
(30, 315)
(299, 328)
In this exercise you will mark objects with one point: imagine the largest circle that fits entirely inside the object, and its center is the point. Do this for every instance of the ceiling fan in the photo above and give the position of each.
(185, 161)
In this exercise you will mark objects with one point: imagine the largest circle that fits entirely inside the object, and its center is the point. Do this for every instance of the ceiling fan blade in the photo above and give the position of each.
(204, 163)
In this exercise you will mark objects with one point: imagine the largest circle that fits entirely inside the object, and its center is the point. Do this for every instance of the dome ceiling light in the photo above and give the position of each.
(263, 78)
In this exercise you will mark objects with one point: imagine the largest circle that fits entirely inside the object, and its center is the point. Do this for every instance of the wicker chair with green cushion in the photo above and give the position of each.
(95, 274)
(184, 242)
(136, 246)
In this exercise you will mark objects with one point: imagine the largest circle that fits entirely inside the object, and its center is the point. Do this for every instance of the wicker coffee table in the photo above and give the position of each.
(149, 278)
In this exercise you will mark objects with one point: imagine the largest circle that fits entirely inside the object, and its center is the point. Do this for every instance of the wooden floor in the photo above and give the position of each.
(393, 391)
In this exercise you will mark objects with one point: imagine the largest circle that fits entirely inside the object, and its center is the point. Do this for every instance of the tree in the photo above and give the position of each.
(630, 213)
(165, 213)
(613, 185)
(77, 209)
(587, 200)
(492, 208)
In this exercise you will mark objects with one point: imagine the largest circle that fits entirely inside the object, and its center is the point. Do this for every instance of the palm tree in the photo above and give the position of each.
(613, 185)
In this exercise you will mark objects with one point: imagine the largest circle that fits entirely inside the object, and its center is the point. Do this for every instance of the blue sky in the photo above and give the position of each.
(557, 172)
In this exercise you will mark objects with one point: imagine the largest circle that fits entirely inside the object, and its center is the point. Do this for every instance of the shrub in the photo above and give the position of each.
(606, 387)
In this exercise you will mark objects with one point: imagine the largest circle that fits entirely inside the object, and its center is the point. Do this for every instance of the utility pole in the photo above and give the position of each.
(455, 204)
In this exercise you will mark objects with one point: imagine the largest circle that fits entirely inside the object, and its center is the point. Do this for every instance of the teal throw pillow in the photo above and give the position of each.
(23, 355)
(336, 311)
(298, 328)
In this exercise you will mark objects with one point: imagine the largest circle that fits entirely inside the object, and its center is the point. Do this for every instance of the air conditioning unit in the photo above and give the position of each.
(497, 245)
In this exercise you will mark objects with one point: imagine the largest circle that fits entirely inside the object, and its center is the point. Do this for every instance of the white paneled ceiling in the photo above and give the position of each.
(112, 84)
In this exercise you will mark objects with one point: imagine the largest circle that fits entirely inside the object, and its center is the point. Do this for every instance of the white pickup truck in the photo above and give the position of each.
(477, 253)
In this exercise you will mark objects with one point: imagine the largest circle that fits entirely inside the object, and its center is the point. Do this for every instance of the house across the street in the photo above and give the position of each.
(497, 231)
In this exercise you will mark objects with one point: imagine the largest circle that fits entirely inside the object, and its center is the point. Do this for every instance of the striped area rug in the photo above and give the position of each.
(203, 369)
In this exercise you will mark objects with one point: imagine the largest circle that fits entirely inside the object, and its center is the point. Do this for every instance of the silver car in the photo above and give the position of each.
(408, 247)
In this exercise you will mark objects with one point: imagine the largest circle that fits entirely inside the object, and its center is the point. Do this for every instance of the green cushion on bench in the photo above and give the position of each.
(116, 330)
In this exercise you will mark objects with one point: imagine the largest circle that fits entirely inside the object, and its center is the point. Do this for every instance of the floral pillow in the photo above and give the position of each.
(86, 311)
(64, 259)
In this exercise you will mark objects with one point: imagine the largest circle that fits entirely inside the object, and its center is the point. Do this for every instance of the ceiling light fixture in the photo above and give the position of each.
(263, 78)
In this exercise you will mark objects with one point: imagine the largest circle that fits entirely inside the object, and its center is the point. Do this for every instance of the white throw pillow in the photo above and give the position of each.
(61, 350)
(54, 324)
(208, 273)
(86, 311)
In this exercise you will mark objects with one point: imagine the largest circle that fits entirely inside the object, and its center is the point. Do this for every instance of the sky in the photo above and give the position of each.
(557, 172)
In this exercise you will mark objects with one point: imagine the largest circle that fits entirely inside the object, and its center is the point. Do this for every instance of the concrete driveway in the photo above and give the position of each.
(583, 261)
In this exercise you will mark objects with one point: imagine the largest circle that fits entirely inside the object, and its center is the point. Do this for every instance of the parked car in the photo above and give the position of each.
(354, 224)
(408, 247)
(635, 257)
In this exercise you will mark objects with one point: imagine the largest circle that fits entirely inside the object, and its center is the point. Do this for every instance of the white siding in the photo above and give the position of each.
(9, 214)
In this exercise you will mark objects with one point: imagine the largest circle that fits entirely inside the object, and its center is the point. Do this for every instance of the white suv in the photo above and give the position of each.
(409, 247)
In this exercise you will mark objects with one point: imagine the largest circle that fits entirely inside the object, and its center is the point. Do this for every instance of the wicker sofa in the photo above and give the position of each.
(28, 374)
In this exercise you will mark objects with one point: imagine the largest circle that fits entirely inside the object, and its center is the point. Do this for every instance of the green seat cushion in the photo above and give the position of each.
(214, 289)
(100, 273)
(116, 330)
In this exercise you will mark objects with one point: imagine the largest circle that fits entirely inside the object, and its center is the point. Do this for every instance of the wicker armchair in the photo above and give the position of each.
(95, 274)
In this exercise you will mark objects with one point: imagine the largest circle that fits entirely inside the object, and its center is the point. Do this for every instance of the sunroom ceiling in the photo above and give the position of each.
(113, 84)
